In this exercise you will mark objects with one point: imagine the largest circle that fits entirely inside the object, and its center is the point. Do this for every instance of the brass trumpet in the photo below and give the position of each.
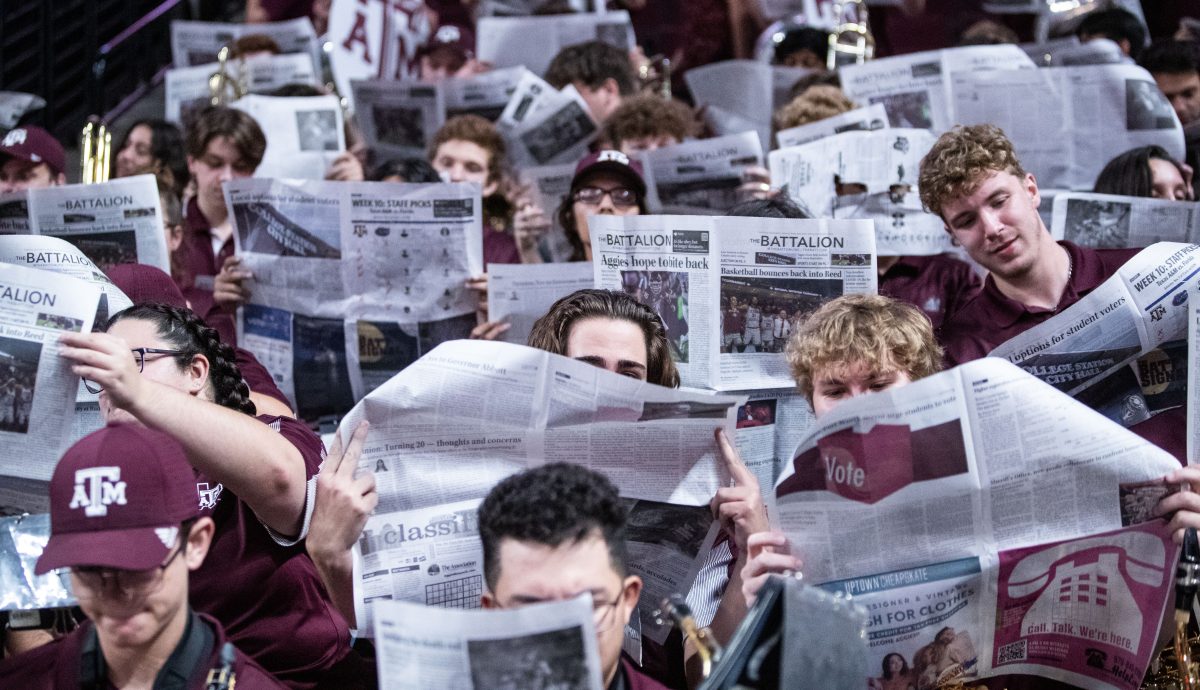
(851, 34)
(95, 151)
(224, 88)
(654, 76)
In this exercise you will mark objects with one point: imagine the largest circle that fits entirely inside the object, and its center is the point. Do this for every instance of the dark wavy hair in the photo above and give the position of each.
(552, 331)
(551, 505)
(887, 675)
(187, 332)
(1129, 173)
(166, 147)
(565, 214)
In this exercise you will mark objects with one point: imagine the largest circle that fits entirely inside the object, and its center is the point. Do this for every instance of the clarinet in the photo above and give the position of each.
(222, 677)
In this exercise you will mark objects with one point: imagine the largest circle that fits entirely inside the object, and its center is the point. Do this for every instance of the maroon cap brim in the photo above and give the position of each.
(138, 548)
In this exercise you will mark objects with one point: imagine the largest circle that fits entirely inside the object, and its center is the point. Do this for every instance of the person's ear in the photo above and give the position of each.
(60, 180)
(175, 237)
(631, 589)
(488, 600)
(198, 542)
(198, 373)
(191, 162)
(1031, 187)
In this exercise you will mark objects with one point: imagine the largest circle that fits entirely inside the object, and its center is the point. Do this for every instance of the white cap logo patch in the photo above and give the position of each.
(167, 535)
(96, 488)
(613, 156)
(15, 137)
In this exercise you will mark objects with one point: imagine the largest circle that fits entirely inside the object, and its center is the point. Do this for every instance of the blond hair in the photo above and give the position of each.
(815, 103)
(876, 331)
(960, 160)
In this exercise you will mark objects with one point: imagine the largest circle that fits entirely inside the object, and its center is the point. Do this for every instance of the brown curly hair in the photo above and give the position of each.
(960, 160)
(815, 103)
(647, 115)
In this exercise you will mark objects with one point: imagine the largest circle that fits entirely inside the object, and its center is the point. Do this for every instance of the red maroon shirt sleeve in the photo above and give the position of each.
(257, 377)
(299, 435)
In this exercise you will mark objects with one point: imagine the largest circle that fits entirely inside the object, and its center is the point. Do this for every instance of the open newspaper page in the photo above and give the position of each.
(1193, 373)
(1109, 221)
(545, 126)
(352, 281)
(398, 119)
(1069, 52)
(769, 427)
(14, 212)
(533, 42)
(114, 222)
(881, 161)
(15, 104)
(697, 271)
(37, 388)
(22, 593)
(520, 294)
(700, 177)
(484, 95)
(735, 91)
(979, 494)
(197, 43)
(188, 92)
(915, 88)
(1061, 119)
(1139, 308)
(551, 645)
(547, 186)
(449, 427)
(869, 118)
(902, 226)
(307, 134)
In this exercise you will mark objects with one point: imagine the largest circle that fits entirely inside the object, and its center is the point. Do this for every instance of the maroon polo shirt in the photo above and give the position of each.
(198, 266)
(269, 597)
(499, 247)
(990, 318)
(937, 285)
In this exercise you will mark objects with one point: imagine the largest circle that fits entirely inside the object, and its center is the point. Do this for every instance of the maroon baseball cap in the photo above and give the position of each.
(611, 162)
(117, 498)
(36, 145)
(142, 284)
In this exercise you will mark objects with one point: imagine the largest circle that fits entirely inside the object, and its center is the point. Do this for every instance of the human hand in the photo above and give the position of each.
(530, 225)
(739, 507)
(346, 168)
(769, 554)
(472, 67)
(230, 288)
(343, 502)
(106, 361)
(756, 184)
(480, 285)
(490, 330)
(1182, 507)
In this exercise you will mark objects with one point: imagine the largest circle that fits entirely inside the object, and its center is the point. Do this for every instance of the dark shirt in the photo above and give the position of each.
(198, 267)
(628, 677)
(936, 285)
(499, 247)
(61, 663)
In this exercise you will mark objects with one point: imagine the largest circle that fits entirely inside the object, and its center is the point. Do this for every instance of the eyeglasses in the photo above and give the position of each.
(139, 356)
(129, 584)
(622, 197)
(602, 612)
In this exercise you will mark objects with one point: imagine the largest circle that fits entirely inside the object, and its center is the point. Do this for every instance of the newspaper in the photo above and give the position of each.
(545, 126)
(1061, 119)
(520, 294)
(307, 134)
(197, 43)
(188, 91)
(959, 509)
(37, 388)
(352, 280)
(376, 40)
(548, 186)
(551, 645)
(524, 8)
(700, 177)
(736, 91)
(915, 88)
(902, 227)
(695, 271)
(869, 118)
(22, 540)
(1108, 221)
(15, 104)
(1193, 375)
(398, 119)
(485, 95)
(886, 160)
(1139, 308)
(1067, 52)
(769, 427)
(532, 42)
(446, 429)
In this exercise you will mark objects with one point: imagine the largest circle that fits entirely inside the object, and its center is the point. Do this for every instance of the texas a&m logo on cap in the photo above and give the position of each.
(15, 137)
(96, 488)
(613, 156)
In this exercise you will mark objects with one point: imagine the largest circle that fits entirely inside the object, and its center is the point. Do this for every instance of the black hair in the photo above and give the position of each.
(1115, 24)
(565, 215)
(188, 333)
(592, 63)
(801, 38)
(166, 147)
(1129, 173)
(778, 206)
(1170, 57)
(408, 169)
(552, 505)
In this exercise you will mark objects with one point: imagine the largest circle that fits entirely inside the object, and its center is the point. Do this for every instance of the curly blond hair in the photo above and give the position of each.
(815, 103)
(882, 333)
(960, 160)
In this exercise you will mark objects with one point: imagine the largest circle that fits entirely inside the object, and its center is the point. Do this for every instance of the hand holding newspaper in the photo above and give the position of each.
(521, 293)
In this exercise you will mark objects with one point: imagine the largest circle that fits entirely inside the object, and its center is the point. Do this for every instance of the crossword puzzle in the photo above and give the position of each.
(463, 593)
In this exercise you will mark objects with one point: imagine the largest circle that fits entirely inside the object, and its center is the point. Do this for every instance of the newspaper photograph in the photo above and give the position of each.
(485, 95)
(37, 388)
(769, 427)
(544, 126)
(398, 119)
(885, 160)
(547, 186)
(352, 280)
(22, 540)
(1060, 120)
(530, 94)
(958, 479)
(870, 118)
(1162, 375)
(115, 222)
(307, 134)
(746, 274)
(520, 294)
(197, 43)
(188, 91)
(699, 177)
(915, 88)
(902, 227)
(506, 41)
(14, 212)
(548, 645)
(1138, 309)
(1110, 221)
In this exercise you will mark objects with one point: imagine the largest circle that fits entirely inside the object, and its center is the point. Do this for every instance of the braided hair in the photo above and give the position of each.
(187, 332)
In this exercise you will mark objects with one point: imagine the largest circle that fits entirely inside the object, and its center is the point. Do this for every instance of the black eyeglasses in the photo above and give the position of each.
(139, 356)
(622, 197)
(128, 583)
